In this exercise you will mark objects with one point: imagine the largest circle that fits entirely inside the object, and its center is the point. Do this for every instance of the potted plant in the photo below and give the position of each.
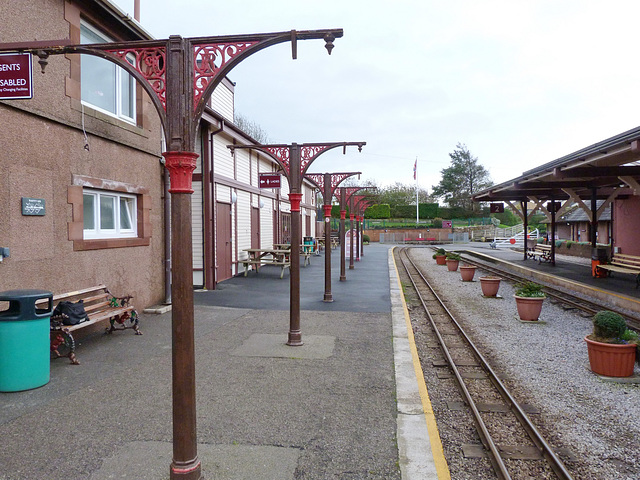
(440, 257)
(453, 260)
(529, 297)
(611, 346)
(467, 272)
(490, 285)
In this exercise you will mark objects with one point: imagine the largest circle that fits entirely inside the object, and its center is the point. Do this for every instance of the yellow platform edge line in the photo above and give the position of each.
(440, 462)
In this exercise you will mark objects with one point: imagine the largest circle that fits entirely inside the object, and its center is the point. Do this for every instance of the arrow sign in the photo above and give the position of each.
(269, 180)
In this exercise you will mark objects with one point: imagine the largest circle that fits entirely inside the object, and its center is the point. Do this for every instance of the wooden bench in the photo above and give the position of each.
(540, 252)
(100, 306)
(622, 263)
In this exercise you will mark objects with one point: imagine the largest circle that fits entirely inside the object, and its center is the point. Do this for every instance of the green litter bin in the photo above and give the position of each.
(24, 339)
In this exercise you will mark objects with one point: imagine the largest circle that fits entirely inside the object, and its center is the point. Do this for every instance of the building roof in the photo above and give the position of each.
(124, 18)
(612, 164)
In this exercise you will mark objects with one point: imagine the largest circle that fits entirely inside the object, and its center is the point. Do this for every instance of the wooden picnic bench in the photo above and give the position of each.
(305, 250)
(267, 256)
(622, 263)
(100, 305)
(540, 252)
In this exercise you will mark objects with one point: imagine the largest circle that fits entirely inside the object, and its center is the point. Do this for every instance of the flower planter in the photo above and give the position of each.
(611, 359)
(490, 286)
(452, 265)
(529, 308)
(467, 272)
(441, 260)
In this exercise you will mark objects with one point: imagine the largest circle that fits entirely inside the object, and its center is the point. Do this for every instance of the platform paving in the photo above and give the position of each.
(345, 405)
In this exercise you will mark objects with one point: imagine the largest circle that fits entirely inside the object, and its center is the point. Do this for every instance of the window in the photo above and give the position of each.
(109, 214)
(104, 85)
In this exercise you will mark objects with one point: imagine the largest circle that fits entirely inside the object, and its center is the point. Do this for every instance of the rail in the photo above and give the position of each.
(536, 438)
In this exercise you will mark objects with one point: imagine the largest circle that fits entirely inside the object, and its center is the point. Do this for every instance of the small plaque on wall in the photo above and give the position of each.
(33, 206)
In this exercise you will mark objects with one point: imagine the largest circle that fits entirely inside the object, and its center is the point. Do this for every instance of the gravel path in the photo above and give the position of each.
(546, 365)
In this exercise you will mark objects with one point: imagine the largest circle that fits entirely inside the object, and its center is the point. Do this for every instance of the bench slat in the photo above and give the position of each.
(76, 293)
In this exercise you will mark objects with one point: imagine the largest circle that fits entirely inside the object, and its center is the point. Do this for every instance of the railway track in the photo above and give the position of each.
(514, 446)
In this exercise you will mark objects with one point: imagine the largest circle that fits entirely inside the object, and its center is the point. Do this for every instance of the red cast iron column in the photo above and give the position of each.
(343, 214)
(295, 335)
(358, 236)
(181, 162)
(351, 228)
(328, 296)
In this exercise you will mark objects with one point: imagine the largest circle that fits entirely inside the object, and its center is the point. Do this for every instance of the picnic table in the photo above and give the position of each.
(305, 250)
(267, 256)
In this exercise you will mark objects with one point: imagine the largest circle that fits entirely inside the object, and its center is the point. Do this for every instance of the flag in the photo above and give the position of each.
(415, 169)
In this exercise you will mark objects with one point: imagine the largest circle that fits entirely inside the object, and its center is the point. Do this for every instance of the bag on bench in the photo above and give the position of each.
(72, 313)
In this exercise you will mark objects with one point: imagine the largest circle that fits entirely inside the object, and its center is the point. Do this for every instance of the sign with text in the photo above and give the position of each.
(33, 206)
(269, 180)
(447, 223)
(553, 207)
(497, 207)
(15, 76)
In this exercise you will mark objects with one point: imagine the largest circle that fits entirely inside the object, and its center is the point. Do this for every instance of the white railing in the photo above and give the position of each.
(516, 240)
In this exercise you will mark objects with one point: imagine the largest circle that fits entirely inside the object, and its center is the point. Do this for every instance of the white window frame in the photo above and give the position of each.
(119, 77)
(97, 232)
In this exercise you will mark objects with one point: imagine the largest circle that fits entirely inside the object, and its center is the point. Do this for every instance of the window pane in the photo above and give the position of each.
(89, 202)
(126, 208)
(107, 212)
(126, 94)
(98, 76)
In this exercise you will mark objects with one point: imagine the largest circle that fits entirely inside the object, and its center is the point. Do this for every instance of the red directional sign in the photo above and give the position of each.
(269, 180)
(15, 76)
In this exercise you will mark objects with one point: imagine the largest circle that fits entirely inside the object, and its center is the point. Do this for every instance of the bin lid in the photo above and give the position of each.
(22, 304)
(26, 293)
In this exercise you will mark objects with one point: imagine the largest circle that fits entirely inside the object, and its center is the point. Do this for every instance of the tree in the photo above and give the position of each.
(251, 128)
(401, 194)
(462, 179)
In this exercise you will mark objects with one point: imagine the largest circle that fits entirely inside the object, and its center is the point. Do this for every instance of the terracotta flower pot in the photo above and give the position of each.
(611, 359)
(529, 308)
(441, 260)
(452, 265)
(467, 272)
(490, 286)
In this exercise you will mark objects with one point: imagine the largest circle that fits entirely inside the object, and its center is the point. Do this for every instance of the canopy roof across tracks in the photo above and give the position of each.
(606, 170)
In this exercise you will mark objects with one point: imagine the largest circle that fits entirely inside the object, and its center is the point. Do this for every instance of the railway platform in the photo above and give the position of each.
(345, 405)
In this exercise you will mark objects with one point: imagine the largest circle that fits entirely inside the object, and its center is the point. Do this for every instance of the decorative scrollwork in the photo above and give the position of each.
(308, 153)
(208, 60)
(318, 179)
(349, 191)
(151, 64)
(282, 154)
(336, 179)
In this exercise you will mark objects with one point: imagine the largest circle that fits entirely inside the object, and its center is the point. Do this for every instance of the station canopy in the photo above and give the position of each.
(606, 170)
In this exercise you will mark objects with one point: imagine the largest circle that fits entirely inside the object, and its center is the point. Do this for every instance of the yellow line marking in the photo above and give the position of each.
(442, 469)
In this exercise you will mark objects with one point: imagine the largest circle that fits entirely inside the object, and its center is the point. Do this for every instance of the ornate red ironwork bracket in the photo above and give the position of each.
(181, 166)
(295, 199)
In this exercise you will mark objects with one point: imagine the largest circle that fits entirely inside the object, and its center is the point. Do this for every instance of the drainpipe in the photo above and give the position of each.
(209, 208)
(167, 235)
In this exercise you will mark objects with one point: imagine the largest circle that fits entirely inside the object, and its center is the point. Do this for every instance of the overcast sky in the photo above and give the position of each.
(520, 82)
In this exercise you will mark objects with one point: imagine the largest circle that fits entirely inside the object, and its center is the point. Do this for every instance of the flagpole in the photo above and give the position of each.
(417, 204)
